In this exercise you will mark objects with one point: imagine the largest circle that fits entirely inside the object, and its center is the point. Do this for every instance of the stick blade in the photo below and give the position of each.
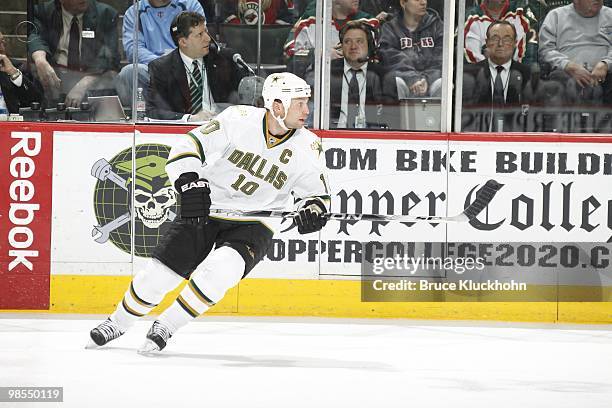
(483, 198)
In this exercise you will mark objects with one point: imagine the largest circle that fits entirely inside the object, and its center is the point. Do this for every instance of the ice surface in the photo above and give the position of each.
(313, 363)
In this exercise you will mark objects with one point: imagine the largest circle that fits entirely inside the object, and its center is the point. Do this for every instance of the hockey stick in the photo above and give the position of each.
(483, 197)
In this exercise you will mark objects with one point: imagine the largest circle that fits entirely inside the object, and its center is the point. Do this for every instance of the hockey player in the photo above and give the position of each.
(245, 159)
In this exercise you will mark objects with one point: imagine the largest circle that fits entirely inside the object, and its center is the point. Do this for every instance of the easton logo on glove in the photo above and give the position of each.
(195, 197)
(194, 184)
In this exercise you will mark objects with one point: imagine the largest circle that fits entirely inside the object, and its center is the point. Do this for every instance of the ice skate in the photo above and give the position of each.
(157, 337)
(105, 332)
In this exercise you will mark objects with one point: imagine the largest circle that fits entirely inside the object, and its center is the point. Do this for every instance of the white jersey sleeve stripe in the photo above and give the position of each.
(198, 146)
(182, 156)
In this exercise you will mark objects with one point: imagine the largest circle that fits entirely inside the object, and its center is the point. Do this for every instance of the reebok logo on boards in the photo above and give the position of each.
(21, 192)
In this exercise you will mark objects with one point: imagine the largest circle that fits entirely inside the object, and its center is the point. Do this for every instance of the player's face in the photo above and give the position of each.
(414, 7)
(500, 44)
(2, 44)
(588, 8)
(75, 6)
(297, 114)
(355, 46)
(197, 43)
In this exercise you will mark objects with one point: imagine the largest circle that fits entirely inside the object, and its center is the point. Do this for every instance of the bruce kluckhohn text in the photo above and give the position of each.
(424, 285)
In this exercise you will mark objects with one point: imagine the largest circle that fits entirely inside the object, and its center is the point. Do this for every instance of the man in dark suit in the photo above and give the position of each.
(18, 88)
(204, 77)
(497, 90)
(74, 48)
(355, 89)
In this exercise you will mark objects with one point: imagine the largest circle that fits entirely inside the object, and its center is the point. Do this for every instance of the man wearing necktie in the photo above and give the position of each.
(355, 87)
(74, 48)
(154, 18)
(191, 82)
(495, 92)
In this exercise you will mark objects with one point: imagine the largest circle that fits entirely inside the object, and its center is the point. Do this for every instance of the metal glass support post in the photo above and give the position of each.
(459, 68)
(322, 64)
(447, 66)
(259, 13)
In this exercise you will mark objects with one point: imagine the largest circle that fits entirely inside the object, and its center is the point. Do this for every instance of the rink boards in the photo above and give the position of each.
(66, 243)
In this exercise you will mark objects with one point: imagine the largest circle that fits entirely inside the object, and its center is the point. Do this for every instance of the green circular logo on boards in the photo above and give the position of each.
(155, 201)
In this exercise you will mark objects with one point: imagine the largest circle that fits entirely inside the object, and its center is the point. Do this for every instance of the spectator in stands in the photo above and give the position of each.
(517, 12)
(355, 87)
(497, 84)
(154, 39)
(18, 87)
(302, 36)
(74, 48)
(411, 49)
(576, 41)
(204, 77)
(547, 5)
(247, 11)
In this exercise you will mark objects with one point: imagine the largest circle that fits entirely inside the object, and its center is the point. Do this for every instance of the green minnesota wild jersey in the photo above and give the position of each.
(248, 168)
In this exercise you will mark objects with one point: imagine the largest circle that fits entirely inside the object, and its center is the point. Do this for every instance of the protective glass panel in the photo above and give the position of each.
(386, 64)
(70, 54)
(542, 68)
(236, 49)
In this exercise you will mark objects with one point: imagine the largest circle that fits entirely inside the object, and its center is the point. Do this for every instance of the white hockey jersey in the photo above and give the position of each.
(248, 168)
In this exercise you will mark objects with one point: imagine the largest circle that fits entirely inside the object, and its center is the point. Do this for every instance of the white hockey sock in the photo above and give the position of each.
(220, 271)
(146, 290)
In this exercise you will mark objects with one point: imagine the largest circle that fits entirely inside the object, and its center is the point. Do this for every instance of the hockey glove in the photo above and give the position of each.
(195, 197)
(311, 217)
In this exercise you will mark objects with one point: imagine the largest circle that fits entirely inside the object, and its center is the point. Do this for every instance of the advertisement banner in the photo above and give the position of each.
(552, 191)
(25, 214)
(91, 198)
(534, 227)
(548, 197)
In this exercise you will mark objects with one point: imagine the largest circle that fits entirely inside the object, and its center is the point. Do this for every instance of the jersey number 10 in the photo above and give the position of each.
(247, 188)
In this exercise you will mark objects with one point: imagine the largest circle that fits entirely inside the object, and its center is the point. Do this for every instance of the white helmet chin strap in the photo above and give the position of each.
(281, 121)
